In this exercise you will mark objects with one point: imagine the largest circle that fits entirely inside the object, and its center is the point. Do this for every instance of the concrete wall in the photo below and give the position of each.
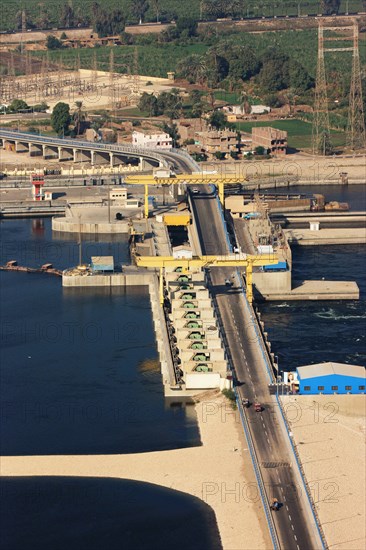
(267, 283)
(115, 279)
(202, 380)
(68, 225)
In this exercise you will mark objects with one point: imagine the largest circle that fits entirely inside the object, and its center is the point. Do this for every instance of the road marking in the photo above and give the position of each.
(268, 440)
(281, 489)
(292, 527)
(265, 431)
(286, 507)
(298, 547)
(295, 537)
(289, 517)
(284, 499)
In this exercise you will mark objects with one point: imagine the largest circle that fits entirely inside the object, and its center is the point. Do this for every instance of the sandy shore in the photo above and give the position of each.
(329, 432)
(218, 472)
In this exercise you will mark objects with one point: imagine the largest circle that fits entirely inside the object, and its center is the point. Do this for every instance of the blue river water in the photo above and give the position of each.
(79, 367)
(354, 195)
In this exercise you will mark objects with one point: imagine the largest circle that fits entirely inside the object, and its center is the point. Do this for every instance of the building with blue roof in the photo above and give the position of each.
(331, 378)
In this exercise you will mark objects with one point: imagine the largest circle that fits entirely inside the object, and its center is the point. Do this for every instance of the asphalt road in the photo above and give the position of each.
(274, 456)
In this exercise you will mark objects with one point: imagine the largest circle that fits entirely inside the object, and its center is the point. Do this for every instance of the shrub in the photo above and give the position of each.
(230, 395)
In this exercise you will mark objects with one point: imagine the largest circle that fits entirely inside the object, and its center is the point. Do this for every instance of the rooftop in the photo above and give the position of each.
(328, 369)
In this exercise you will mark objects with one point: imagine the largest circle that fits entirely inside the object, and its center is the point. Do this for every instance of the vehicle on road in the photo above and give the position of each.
(275, 505)
(245, 402)
(258, 407)
(227, 282)
(195, 190)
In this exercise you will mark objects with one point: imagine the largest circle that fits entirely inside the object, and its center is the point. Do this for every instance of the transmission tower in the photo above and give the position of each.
(356, 136)
(356, 125)
(321, 130)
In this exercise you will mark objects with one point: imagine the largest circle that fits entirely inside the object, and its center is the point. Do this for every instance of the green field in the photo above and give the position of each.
(168, 9)
(156, 59)
(299, 132)
(153, 60)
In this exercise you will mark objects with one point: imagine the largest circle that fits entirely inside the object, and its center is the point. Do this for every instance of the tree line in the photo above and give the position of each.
(109, 22)
(234, 64)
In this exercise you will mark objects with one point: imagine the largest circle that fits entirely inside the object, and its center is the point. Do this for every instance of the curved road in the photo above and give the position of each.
(294, 522)
(178, 160)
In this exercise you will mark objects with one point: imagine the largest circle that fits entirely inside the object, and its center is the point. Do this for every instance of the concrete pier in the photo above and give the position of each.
(129, 277)
(72, 225)
(307, 237)
(316, 290)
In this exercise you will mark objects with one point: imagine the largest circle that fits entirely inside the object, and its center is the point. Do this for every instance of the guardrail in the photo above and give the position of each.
(248, 436)
(271, 526)
(258, 475)
(283, 414)
(303, 477)
(187, 156)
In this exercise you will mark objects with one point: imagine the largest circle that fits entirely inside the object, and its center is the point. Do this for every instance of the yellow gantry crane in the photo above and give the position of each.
(232, 260)
(183, 179)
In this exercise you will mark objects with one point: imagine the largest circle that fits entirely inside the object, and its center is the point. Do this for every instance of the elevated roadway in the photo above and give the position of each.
(95, 153)
(294, 523)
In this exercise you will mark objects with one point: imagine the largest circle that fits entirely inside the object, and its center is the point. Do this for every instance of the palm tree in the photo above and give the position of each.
(156, 6)
(78, 116)
(139, 8)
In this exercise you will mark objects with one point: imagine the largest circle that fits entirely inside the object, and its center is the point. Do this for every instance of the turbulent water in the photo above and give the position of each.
(311, 332)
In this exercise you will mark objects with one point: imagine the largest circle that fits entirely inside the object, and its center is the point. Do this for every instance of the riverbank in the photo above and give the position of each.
(296, 169)
(219, 472)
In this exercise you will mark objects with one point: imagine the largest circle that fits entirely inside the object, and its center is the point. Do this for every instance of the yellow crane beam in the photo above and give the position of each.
(232, 260)
(187, 179)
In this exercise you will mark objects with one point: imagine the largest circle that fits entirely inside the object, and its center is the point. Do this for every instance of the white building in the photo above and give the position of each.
(238, 110)
(260, 109)
(152, 141)
(183, 251)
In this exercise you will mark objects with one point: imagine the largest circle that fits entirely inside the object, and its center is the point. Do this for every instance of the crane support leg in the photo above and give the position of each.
(221, 193)
(146, 200)
(249, 278)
